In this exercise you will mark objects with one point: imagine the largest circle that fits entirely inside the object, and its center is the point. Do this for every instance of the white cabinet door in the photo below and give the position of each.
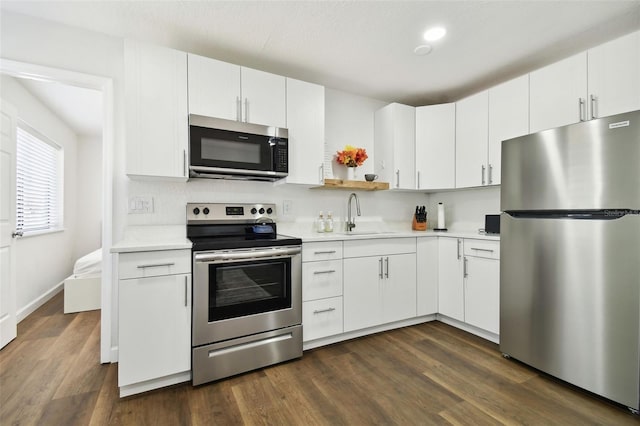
(472, 132)
(436, 146)
(399, 287)
(394, 145)
(305, 121)
(154, 328)
(614, 77)
(508, 118)
(482, 293)
(558, 94)
(214, 88)
(450, 278)
(362, 293)
(263, 98)
(156, 111)
(321, 318)
(427, 276)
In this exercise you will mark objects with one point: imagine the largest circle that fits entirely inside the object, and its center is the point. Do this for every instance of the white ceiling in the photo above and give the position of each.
(363, 47)
(79, 108)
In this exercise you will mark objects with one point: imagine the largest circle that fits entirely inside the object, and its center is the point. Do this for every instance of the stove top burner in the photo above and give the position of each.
(214, 226)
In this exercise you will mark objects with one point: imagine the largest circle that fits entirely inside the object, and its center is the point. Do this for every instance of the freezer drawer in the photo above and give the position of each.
(569, 300)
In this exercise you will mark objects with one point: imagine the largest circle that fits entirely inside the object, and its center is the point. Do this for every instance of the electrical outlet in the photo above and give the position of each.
(140, 205)
(287, 206)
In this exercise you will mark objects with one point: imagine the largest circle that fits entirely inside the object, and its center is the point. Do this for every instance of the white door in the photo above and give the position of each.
(450, 280)
(436, 146)
(8, 330)
(263, 98)
(482, 293)
(399, 287)
(472, 133)
(214, 88)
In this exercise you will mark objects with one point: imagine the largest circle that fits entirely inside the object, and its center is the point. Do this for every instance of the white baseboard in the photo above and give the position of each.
(31, 307)
(487, 335)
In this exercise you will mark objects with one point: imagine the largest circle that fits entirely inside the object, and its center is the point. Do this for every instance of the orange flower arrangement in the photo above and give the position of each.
(351, 156)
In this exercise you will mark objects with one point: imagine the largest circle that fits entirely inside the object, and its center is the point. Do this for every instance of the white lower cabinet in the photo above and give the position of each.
(427, 276)
(482, 293)
(321, 289)
(379, 284)
(154, 320)
(450, 278)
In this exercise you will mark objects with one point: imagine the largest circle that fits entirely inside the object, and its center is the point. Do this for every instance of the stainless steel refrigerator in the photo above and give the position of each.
(570, 254)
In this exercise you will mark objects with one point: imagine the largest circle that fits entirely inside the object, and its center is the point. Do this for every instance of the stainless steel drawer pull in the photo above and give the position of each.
(459, 241)
(380, 263)
(186, 286)
(156, 265)
(465, 273)
(322, 311)
(324, 252)
(481, 249)
(329, 271)
(386, 261)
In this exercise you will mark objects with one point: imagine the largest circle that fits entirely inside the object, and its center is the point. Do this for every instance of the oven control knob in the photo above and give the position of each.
(205, 210)
(261, 211)
(269, 210)
(254, 211)
(196, 211)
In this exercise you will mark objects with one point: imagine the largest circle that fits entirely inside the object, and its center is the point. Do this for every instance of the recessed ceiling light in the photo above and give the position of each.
(435, 33)
(423, 49)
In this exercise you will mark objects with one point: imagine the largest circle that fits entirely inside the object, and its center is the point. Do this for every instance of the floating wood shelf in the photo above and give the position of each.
(353, 184)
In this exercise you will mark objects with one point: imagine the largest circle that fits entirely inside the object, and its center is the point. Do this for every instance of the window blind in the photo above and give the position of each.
(37, 183)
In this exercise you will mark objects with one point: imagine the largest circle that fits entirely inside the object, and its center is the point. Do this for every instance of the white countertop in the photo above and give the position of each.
(152, 238)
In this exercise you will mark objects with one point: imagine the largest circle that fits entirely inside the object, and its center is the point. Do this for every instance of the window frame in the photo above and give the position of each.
(33, 132)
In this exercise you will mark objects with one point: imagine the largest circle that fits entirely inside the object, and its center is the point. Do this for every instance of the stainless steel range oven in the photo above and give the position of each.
(247, 290)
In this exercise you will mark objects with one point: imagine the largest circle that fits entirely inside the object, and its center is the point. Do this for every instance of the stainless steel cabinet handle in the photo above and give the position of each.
(464, 265)
(581, 105)
(386, 261)
(418, 181)
(186, 287)
(329, 271)
(459, 241)
(246, 110)
(156, 265)
(594, 102)
(321, 180)
(15, 234)
(490, 174)
(482, 249)
(483, 169)
(321, 311)
(324, 252)
(380, 264)
(184, 162)
(398, 178)
(238, 109)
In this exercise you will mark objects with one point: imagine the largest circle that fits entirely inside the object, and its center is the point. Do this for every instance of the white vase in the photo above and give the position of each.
(351, 173)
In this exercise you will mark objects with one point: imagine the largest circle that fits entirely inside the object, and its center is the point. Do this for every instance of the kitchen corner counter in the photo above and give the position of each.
(152, 238)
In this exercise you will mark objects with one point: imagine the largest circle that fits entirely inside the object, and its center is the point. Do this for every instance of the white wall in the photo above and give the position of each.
(89, 195)
(464, 209)
(43, 261)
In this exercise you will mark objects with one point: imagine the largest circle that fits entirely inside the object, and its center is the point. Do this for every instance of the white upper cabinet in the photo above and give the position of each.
(508, 118)
(614, 77)
(472, 140)
(156, 111)
(394, 145)
(436, 146)
(214, 88)
(305, 121)
(558, 94)
(223, 90)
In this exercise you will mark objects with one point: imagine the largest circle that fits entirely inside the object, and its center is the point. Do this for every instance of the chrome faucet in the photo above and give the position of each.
(351, 221)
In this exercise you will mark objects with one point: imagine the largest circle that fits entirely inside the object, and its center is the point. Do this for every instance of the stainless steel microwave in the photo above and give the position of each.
(227, 149)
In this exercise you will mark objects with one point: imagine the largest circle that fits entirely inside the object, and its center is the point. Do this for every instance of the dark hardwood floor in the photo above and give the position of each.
(426, 374)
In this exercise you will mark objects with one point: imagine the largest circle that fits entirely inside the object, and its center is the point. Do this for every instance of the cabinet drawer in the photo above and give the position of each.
(379, 247)
(321, 318)
(325, 250)
(482, 248)
(154, 263)
(321, 279)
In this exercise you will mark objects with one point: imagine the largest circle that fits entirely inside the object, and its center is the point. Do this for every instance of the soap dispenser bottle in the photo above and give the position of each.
(328, 223)
(320, 223)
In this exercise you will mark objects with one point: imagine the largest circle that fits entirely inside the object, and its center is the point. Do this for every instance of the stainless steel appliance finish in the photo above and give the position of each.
(247, 290)
(570, 251)
(227, 149)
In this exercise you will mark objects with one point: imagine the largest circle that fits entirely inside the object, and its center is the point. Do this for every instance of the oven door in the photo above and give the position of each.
(245, 291)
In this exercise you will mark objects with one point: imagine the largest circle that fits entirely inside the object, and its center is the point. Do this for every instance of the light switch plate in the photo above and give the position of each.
(140, 205)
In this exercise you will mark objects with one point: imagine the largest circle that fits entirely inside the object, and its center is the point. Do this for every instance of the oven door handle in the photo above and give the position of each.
(244, 255)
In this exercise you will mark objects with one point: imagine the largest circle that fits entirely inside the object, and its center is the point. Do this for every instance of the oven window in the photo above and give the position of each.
(233, 151)
(248, 288)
